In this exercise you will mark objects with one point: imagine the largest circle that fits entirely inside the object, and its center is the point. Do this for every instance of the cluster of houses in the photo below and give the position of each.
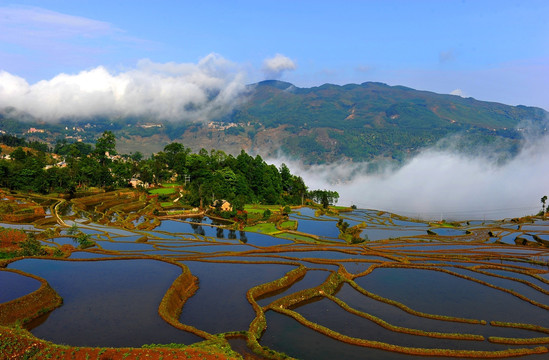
(35, 130)
(214, 125)
(136, 183)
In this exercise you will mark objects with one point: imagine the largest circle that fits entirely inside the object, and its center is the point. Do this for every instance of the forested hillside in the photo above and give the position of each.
(316, 125)
(360, 122)
(208, 175)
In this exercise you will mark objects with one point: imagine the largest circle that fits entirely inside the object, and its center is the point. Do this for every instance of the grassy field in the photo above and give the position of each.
(288, 224)
(266, 228)
(162, 191)
(255, 208)
(340, 208)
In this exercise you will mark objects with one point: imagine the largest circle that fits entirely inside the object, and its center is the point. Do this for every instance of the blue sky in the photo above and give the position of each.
(490, 50)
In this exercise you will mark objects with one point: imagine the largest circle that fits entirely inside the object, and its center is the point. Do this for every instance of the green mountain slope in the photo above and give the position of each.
(375, 105)
(319, 124)
(361, 122)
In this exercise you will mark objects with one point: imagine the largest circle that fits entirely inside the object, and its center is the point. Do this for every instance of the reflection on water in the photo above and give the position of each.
(220, 304)
(448, 232)
(290, 337)
(322, 228)
(107, 303)
(311, 279)
(15, 285)
(115, 302)
(329, 314)
(88, 255)
(379, 234)
(444, 294)
(17, 226)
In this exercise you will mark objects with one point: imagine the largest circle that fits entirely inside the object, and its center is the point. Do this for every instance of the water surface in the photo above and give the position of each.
(106, 303)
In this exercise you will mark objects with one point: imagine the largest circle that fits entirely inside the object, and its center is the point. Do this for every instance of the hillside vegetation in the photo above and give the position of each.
(361, 122)
(316, 125)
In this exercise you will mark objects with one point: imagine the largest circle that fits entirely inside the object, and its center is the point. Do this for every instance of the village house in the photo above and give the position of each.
(225, 205)
(135, 183)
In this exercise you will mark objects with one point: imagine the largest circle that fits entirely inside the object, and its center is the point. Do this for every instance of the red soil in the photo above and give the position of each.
(17, 344)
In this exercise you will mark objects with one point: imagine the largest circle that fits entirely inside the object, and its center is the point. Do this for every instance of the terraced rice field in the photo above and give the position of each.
(413, 289)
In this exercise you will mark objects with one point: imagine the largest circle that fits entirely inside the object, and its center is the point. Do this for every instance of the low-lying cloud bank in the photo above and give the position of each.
(444, 184)
(168, 91)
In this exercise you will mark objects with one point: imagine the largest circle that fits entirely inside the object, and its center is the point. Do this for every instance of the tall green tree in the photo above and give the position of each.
(324, 197)
(286, 177)
(105, 146)
(18, 154)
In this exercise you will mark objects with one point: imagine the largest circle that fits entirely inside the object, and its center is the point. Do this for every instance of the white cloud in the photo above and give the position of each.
(37, 41)
(458, 92)
(442, 183)
(167, 91)
(26, 25)
(274, 67)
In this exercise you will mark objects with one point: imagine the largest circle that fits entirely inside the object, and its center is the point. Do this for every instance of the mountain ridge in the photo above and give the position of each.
(326, 123)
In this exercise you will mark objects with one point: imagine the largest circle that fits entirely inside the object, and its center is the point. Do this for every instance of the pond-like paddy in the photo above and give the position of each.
(444, 294)
(106, 303)
(15, 285)
(401, 275)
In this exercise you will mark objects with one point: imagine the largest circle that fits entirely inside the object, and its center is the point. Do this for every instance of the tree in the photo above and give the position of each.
(87, 172)
(59, 179)
(174, 148)
(136, 156)
(145, 172)
(19, 154)
(226, 180)
(160, 168)
(104, 146)
(543, 200)
(175, 154)
(286, 177)
(342, 225)
(324, 197)
(5, 171)
(31, 246)
(75, 149)
(286, 210)
(298, 190)
(122, 173)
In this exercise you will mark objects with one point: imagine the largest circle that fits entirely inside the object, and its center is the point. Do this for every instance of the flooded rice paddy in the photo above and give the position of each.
(413, 288)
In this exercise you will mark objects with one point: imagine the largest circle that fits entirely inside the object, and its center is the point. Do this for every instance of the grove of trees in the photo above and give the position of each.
(207, 175)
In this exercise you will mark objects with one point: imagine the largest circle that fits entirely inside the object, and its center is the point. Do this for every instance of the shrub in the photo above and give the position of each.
(31, 246)
(163, 197)
(357, 240)
(241, 216)
(58, 252)
(84, 241)
(7, 254)
(73, 230)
